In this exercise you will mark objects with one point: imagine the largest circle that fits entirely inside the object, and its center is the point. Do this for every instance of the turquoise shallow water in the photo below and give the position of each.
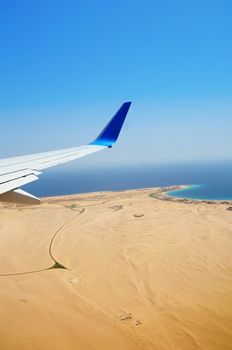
(209, 181)
(216, 191)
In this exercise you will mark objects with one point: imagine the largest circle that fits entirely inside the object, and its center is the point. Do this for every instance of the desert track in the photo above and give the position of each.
(115, 270)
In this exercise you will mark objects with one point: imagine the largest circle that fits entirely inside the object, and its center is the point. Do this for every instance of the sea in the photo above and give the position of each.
(206, 180)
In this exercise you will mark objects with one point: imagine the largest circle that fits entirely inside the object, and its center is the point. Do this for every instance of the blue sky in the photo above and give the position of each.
(66, 66)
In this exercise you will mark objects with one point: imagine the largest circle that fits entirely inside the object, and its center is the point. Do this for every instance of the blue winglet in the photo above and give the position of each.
(110, 133)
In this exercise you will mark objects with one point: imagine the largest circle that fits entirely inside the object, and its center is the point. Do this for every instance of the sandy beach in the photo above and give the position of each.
(121, 270)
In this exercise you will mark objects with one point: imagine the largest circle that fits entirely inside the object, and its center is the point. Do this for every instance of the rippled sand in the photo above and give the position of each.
(141, 273)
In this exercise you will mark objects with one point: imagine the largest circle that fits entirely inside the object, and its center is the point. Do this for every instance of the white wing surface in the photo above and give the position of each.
(18, 171)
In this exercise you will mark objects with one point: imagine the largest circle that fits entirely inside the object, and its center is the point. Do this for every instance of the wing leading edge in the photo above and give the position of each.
(21, 170)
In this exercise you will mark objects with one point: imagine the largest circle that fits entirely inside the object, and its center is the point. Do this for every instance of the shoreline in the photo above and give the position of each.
(160, 193)
(163, 195)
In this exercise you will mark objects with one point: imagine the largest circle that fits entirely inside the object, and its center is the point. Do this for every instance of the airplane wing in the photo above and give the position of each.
(18, 171)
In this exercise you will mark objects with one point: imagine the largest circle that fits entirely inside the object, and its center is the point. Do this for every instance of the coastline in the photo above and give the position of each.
(161, 193)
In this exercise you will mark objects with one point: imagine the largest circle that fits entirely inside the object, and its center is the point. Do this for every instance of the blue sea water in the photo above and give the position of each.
(211, 181)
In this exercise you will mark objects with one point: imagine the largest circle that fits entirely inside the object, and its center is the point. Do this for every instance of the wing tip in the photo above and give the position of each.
(110, 133)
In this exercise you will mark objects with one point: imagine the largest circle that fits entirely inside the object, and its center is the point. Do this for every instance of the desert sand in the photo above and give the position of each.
(115, 271)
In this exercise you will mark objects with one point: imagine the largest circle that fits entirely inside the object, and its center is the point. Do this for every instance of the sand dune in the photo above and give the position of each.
(139, 273)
